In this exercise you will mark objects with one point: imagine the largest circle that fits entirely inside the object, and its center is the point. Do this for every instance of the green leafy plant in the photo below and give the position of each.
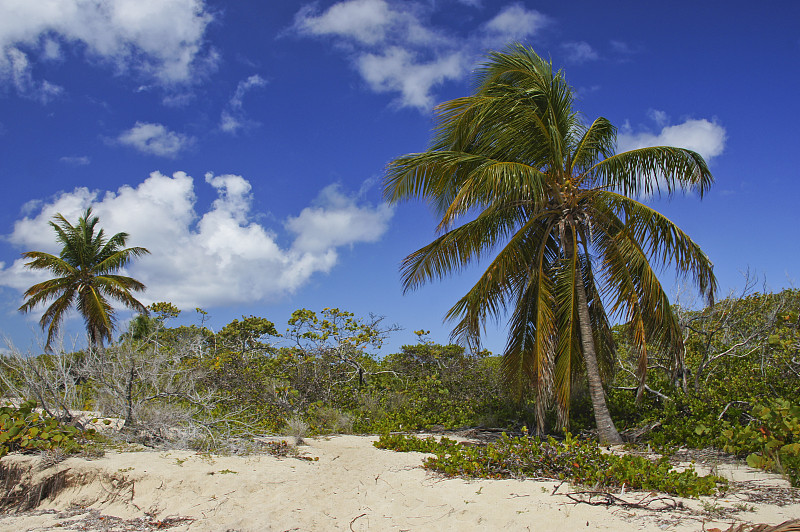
(575, 460)
(23, 429)
(772, 439)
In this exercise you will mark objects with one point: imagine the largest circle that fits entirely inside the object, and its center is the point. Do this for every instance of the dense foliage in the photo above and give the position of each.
(189, 385)
(23, 429)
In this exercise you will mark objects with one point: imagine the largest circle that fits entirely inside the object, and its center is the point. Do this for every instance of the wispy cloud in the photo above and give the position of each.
(14, 66)
(579, 52)
(233, 117)
(83, 160)
(218, 257)
(155, 139)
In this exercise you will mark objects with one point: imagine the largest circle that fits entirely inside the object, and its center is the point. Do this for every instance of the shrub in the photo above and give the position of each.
(24, 430)
(771, 441)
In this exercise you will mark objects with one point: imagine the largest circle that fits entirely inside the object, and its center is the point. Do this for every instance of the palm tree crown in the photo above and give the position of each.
(518, 177)
(84, 276)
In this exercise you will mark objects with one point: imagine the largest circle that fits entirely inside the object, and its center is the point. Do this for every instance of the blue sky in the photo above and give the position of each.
(244, 142)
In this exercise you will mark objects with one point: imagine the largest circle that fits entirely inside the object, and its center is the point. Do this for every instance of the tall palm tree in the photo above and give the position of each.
(516, 176)
(84, 276)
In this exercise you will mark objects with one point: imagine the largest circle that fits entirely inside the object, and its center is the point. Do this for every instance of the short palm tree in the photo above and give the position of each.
(84, 276)
(521, 181)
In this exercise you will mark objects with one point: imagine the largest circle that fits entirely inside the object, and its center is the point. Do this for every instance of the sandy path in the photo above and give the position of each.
(352, 486)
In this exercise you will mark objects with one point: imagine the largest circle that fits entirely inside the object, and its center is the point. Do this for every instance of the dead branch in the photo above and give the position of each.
(604, 498)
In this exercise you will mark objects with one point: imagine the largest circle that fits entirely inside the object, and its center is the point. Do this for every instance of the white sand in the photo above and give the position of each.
(353, 486)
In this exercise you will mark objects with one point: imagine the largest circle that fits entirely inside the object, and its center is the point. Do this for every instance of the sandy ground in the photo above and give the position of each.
(352, 486)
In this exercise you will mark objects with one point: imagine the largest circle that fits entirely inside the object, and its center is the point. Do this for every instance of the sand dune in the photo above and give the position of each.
(350, 486)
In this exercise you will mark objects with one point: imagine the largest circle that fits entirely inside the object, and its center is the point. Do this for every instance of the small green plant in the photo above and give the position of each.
(772, 439)
(574, 460)
(713, 509)
(282, 449)
(24, 430)
(743, 507)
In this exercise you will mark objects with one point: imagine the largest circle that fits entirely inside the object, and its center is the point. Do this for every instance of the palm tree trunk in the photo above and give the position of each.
(606, 431)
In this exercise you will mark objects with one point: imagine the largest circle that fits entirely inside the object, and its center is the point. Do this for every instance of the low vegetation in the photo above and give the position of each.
(575, 460)
(23, 429)
(734, 389)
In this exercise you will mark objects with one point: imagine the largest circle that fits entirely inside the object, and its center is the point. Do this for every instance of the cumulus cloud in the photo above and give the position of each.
(155, 139)
(233, 117)
(397, 70)
(335, 219)
(219, 257)
(396, 50)
(706, 137)
(162, 41)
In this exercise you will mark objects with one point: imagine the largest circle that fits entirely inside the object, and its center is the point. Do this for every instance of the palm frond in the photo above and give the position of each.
(665, 243)
(596, 143)
(568, 331)
(45, 261)
(97, 312)
(54, 315)
(530, 349)
(653, 171)
(113, 262)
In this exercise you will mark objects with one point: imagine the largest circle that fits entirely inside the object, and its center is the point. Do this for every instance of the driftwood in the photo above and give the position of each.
(634, 435)
(787, 526)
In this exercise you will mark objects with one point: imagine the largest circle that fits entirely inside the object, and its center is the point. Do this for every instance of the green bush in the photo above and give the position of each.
(25, 430)
(771, 441)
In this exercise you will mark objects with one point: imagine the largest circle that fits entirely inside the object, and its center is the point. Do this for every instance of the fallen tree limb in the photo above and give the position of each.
(604, 498)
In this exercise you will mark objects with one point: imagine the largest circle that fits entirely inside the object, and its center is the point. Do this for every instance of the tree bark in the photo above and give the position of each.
(606, 431)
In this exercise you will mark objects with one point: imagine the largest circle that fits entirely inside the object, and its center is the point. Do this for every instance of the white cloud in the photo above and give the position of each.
(243, 87)
(219, 257)
(83, 160)
(513, 23)
(397, 70)
(161, 40)
(396, 50)
(363, 20)
(579, 52)
(623, 49)
(703, 136)
(337, 220)
(233, 118)
(15, 66)
(155, 139)
(659, 117)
